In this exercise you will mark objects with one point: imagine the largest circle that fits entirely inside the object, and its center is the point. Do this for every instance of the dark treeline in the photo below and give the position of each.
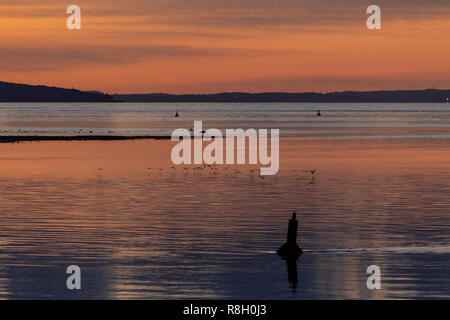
(429, 95)
(10, 92)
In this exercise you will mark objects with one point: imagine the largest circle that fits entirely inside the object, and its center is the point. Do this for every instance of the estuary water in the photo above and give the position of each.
(354, 120)
(140, 229)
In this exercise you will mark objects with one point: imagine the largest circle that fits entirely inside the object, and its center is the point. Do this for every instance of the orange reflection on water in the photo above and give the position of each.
(145, 230)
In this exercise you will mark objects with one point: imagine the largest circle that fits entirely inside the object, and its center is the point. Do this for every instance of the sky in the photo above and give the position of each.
(205, 46)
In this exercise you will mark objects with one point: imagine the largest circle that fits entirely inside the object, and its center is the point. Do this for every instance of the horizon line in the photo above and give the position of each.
(229, 92)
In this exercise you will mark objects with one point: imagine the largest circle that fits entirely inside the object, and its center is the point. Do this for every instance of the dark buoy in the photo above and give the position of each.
(176, 114)
(290, 249)
(318, 113)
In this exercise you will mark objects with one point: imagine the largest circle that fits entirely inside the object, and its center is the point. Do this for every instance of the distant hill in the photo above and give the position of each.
(11, 92)
(429, 95)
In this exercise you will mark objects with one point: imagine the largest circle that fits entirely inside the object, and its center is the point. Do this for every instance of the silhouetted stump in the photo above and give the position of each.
(290, 249)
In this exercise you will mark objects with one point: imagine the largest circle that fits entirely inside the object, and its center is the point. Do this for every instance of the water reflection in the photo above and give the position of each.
(292, 273)
(165, 234)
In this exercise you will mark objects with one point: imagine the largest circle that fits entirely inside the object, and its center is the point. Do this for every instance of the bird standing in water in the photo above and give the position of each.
(318, 113)
(176, 114)
(310, 171)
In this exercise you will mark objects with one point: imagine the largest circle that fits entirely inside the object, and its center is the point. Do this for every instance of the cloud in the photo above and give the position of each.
(184, 20)
(256, 13)
(61, 58)
(118, 32)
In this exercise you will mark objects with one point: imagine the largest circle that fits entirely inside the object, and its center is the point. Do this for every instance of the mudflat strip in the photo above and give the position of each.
(11, 139)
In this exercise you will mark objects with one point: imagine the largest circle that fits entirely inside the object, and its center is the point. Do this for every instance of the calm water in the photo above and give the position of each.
(294, 119)
(168, 234)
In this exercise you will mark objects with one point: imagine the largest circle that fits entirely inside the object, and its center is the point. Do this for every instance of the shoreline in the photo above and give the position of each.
(18, 138)
(316, 139)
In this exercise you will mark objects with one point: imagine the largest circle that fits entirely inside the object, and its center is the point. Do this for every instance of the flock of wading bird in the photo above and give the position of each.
(229, 170)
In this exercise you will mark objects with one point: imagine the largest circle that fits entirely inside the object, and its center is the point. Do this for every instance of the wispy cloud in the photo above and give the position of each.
(65, 58)
(212, 44)
(233, 12)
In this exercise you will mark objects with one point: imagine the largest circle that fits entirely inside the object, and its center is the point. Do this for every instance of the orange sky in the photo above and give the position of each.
(199, 46)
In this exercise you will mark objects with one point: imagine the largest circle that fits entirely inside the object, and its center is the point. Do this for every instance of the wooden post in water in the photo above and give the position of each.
(290, 249)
